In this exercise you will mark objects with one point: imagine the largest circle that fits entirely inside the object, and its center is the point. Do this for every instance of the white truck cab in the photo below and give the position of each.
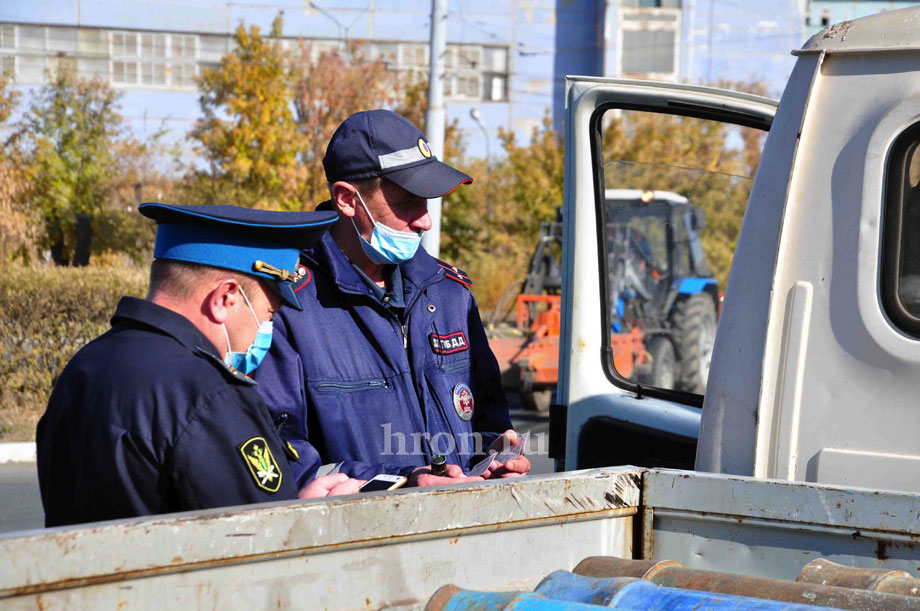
(817, 357)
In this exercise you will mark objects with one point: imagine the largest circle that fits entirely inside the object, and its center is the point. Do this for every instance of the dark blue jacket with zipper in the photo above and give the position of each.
(350, 382)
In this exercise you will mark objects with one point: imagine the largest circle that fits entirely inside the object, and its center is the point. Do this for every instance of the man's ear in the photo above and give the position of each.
(344, 198)
(221, 299)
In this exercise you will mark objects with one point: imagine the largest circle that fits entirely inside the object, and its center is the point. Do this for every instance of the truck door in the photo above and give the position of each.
(645, 164)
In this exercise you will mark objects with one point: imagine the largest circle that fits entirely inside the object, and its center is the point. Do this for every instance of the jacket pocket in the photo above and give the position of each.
(455, 366)
(338, 387)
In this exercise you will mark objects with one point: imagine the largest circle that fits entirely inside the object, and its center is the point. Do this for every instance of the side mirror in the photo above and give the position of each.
(698, 219)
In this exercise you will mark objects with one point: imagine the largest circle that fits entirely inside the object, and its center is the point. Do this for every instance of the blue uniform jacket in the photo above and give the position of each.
(147, 419)
(348, 383)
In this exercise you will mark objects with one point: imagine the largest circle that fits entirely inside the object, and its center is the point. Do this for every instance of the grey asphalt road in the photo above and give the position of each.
(21, 506)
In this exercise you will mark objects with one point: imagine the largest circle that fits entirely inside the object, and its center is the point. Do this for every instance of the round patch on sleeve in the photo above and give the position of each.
(262, 465)
(463, 401)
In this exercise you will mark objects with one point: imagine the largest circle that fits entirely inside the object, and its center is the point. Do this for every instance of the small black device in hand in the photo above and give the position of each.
(439, 465)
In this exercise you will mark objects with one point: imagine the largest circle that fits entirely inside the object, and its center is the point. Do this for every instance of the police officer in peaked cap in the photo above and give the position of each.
(388, 365)
(160, 414)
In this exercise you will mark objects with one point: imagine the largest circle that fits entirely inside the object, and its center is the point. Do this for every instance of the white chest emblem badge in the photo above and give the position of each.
(463, 401)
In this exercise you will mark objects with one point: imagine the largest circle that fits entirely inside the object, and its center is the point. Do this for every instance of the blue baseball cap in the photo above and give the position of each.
(382, 143)
(261, 243)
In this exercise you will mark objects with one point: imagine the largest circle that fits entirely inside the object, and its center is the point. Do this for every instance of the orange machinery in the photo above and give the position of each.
(529, 358)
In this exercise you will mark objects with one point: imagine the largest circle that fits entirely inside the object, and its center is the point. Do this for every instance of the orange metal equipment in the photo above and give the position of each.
(530, 362)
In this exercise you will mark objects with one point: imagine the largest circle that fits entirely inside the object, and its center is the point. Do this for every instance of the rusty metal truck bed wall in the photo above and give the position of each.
(771, 528)
(339, 553)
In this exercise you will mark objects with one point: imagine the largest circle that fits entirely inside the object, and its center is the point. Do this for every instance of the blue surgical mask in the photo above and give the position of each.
(387, 245)
(247, 362)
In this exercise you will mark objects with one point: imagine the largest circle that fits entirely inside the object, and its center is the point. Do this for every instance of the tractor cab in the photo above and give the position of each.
(660, 286)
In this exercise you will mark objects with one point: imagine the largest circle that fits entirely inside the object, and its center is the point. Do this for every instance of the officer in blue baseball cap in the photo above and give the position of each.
(391, 362)
(159, 414)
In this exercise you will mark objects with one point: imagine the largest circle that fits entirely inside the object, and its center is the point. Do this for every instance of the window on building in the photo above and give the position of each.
(150, 59)
(153, 45)
(213, 48)
(649, 52)
(34, 40)
(153, 74)
(8, 65)
(7, 36)
(496, 87)
(124, 73)
(469, 58)
(124, 44)
(58, 40)
(413, 57)
(650, 42)
(495, 59)
(183, 75)
(825, 18)
(183, 46)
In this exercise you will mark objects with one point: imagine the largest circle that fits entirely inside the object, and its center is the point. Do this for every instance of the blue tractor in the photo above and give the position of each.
(660, 282)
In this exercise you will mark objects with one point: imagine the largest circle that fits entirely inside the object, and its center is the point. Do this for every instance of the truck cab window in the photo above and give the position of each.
(665, 266)
(901, 258)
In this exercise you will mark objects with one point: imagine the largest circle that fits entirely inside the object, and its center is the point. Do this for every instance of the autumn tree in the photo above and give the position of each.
(248, 135)
(69, 134)
(19, 226)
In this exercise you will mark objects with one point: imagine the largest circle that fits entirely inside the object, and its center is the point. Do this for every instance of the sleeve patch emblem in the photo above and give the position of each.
(448, 344)
(262, 465)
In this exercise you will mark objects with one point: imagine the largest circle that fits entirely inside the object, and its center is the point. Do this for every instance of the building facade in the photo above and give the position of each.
(506, 58)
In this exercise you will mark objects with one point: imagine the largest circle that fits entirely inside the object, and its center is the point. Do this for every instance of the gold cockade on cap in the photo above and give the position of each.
(282, 274)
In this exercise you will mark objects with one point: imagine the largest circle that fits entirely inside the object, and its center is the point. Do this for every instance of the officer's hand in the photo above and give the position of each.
(335, 484)
(423, 477)
(516, 467)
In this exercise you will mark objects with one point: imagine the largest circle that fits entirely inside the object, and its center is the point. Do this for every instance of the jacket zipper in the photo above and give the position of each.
(456, 366)
(352, 386)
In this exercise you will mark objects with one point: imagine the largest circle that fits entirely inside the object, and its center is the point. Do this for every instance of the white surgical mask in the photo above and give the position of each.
(387, 245)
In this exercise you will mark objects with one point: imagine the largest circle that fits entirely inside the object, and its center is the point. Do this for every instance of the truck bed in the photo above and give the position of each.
(396, 549)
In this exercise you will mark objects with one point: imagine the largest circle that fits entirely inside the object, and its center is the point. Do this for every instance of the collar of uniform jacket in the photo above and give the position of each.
(165, 321)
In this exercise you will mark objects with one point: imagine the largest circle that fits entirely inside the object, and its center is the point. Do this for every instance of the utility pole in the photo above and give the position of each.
(709, 42)
(691, 40)
(434, 116)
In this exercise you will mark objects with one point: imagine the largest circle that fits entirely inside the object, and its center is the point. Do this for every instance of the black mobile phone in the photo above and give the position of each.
(383, 481)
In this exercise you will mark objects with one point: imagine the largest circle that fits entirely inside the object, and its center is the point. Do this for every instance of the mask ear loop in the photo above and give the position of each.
(226, 337)
(373, 222)
(223, 326)
(251, 310)
(361, 199)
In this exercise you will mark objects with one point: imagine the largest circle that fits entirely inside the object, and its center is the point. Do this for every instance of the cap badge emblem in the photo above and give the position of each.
(463, 401)
(423, 146)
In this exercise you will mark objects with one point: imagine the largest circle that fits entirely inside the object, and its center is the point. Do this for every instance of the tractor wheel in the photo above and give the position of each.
(664, 366)
(694, 330)
(537, 400)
